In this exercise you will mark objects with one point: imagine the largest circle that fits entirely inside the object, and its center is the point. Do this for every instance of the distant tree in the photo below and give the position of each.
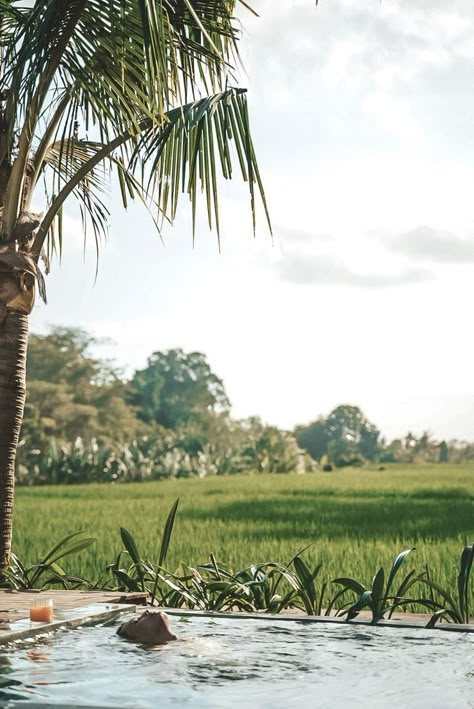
(460, 451)
(176, 387)
(63, 356)
(369, 446)
(72, 394)
(313, 438)
(271, 450)
(51, 411)
(392, 452)
(424, 448)
(351, 435)
(409, 445)
(443, 452)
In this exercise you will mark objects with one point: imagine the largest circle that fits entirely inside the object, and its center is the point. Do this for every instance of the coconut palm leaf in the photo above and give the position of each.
(164, 163)
(118, 69)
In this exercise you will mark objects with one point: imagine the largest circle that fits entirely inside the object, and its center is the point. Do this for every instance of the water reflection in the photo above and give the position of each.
(37, 655)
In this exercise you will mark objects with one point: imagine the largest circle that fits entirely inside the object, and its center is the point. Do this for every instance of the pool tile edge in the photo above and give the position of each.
(451, 627)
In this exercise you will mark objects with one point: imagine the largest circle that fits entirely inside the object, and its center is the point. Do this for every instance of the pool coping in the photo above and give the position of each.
(94, 614)
(393, 624)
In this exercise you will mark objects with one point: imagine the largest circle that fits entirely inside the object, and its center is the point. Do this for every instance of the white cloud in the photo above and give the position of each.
(394, 116)
(433, 245)
(299, 268)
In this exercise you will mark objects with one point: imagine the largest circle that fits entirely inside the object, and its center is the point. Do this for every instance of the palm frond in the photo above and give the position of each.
(131, 72)
(162, 164)
(119, 61)
(65, 161)
(194, 151)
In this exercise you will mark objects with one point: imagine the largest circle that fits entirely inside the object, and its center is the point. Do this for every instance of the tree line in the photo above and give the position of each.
(85, 421)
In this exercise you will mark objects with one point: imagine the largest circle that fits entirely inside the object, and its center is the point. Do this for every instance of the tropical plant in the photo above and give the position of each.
(138, 571)
(213, 587)
(456, 611)
(186, 587)
(47, 572)
(306, 593)
(380, 598)
(142, 459)
(207, 587)
(163, 454)
(268, 587)
(151, 82)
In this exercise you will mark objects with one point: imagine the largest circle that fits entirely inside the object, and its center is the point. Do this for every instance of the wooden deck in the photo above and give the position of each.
(15, 605)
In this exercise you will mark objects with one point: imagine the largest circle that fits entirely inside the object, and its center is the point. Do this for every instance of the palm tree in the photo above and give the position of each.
(141, 88)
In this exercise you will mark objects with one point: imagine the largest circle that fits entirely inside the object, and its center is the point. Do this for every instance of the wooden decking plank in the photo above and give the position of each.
(15, 605)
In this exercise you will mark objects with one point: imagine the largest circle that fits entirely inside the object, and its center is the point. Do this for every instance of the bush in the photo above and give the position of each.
(349, 461)
(167, 454)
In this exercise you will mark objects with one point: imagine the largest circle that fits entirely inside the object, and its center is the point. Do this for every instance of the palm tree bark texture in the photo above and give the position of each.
(13, 345)
(16, 302)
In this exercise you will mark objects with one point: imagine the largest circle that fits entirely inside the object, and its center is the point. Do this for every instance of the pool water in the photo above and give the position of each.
(220, 663)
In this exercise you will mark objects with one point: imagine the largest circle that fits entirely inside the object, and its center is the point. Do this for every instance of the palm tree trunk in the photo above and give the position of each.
(13, 346)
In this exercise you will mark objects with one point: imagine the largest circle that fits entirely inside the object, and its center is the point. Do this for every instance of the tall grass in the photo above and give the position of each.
(360, 518)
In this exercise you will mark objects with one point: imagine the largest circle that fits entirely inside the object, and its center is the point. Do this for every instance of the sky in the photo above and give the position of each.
(362, 118)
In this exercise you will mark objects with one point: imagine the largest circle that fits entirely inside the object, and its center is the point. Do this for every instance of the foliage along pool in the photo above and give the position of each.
(223, 663)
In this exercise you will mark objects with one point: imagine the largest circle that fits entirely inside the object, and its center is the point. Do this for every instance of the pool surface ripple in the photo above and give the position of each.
(220, 663)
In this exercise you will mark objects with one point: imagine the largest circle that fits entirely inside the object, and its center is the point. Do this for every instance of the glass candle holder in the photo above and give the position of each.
(41, 610)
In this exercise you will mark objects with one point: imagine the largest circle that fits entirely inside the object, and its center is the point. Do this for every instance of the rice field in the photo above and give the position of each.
(358, 519)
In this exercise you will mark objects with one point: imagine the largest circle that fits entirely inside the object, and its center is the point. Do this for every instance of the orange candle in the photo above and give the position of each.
(42, 613)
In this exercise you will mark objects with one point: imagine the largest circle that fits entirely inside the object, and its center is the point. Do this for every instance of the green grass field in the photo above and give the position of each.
(359, 518)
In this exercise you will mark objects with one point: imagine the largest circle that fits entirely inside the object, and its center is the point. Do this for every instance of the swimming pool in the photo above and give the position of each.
(220, 663)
